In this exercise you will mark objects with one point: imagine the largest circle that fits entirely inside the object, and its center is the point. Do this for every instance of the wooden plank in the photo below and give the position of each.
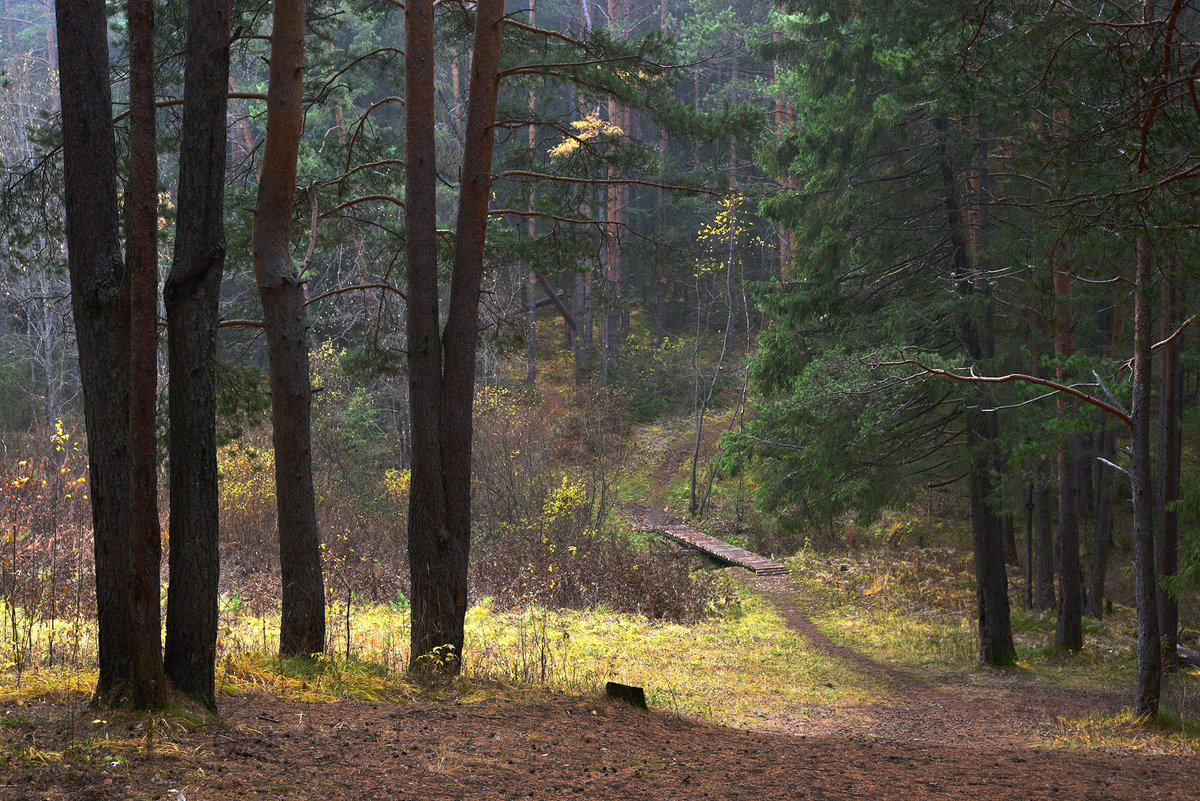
(720, 550)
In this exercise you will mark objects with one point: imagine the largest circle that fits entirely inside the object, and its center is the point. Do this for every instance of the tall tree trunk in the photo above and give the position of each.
(302, 618)
(660, 267)
(440, 540)
(614, 282)
(531, 281)
(191, 295)
(1069, 630)
(1170, 444)
(427, 529)
(149, 684)
(1149, 645)
(994, 624)
(101, 322)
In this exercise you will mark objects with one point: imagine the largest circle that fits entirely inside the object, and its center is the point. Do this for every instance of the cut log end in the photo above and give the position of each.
(634, 696)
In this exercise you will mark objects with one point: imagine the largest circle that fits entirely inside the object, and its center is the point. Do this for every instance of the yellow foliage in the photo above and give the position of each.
(589, 127)
(397, 482)
(247, 480)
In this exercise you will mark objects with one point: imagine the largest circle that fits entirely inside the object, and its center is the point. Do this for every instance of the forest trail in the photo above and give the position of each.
(1001, 707)
(1007, 707)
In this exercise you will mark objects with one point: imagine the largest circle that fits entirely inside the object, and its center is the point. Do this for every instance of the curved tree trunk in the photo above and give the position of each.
(191, 295)
(302, 619)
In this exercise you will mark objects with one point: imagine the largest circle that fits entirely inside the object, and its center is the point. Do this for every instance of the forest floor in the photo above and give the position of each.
(991, 734)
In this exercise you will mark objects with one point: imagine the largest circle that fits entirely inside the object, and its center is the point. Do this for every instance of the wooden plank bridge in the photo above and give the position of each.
(717, 549)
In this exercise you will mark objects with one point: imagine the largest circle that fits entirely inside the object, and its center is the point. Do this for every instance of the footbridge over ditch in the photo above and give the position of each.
(714, 548)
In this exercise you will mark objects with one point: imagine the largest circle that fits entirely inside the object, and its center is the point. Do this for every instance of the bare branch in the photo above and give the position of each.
(364, 199)
(541, 176)
(355, 288)
(1108, 408)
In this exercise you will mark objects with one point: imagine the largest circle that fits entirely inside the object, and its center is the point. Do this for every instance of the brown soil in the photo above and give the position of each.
(568, 748)
(933, 740)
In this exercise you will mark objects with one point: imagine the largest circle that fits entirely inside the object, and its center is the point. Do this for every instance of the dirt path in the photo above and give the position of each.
(1000, 708)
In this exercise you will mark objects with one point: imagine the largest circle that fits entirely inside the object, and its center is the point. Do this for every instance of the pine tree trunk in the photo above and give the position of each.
(149, 682)
(1069, 630)
(101, 322)
(1170, 444)
(531, 281)
(1043, 571)
(440, 519)
(427, 533)
(1103, 531)
(1149, 645)
(191, 296)
(992, 609)
(302, 618)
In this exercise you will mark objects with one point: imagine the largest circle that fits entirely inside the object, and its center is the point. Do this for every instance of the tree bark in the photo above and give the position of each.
(531, 281)
(1043, 572)
(1149, 646)
(1069, 630)
(1103, 531)
(302, 619)
(101, 322)
(427, 529)
(191, 296)
(149, 684)
(1170, 446)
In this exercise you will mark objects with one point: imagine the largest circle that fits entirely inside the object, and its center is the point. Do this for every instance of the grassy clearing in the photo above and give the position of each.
(729, 667)
(732, 667)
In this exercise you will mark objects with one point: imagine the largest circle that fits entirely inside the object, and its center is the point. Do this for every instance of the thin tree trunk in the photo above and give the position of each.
(993, 617)
(1103, 531)
(101, 322)
(1029, 548)
(1149, 645)
(1170, 445)
(531, 281)
(149, 682)
(302, 618)
(191, 295)
(1069, 630)
(1044, 596)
